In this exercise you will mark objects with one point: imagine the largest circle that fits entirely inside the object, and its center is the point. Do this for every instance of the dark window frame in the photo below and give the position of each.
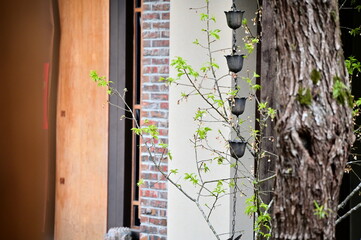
(124, 65)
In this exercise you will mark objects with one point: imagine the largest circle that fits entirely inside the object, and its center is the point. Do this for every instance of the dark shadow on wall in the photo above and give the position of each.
(28, 64)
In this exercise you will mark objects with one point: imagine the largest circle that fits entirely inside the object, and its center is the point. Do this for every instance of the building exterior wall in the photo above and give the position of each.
(184, 219)
(155, 37)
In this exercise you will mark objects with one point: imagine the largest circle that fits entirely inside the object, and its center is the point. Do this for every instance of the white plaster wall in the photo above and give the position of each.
(184, 219)
(243, 221)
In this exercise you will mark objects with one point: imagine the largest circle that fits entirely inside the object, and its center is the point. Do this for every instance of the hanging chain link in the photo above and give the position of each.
(235, 190)
(235, 176)
(234, 45)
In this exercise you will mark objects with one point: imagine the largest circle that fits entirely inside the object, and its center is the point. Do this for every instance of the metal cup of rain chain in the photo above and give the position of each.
(237, 105)
(234, 18)
(237, 148)
(235, 62)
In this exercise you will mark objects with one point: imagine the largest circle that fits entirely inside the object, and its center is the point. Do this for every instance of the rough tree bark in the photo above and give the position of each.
(314, 129)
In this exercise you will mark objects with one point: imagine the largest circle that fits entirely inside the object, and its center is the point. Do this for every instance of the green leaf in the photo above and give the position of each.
(170, 156)
(244, 21)
(191, 177)
(233, 93)
(320, 210)
(353, 65)
(137, 131)
(304, 96)
(262, 105)
(140, 182)
(355, 31)
(232, 183)
(256, 87)
(341, 93)
(202, 132)
(205, 168)
(219, 159)
(271, 112)
(315, 76)
(219, 188)
(199, 114)
(163, 145)
(204, 17)
(99, 80)
(174, 171)
(215, 65)
(214, 33)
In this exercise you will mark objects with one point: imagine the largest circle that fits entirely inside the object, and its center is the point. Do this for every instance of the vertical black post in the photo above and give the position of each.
(117, 74)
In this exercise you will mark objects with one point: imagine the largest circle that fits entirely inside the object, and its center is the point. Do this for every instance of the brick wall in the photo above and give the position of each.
(155, 61)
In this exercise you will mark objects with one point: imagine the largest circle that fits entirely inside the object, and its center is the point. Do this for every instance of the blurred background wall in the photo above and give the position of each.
(28, 60)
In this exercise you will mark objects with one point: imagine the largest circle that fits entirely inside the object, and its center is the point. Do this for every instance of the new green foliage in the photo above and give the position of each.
(315, 76)
(304, 96)
(342, 93)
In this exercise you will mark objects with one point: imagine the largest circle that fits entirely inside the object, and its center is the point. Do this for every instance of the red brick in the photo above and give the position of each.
(156, 52)
(150, 105)
(149, 176)
(147, 43)
(158, 204)
(162, 213)
(151, 16)
(155, 60)
(150, 69)
(161, 25)
(144, 202)
(165, 34)
(149, 193)
(160, 43)
(144, 219)
(160, 61)
(148, 229)
(164, 106)
(161, 7)
(143, 237)
(147, 7)
(160, 222)
(163, 195)
(151, 88)
(145, 96)
(163, 69)
(157, 96)
(158, 114)
(150, 35)
(146, 61)
(147, 26)
(162, 231)
(163, 132)
(165, 15)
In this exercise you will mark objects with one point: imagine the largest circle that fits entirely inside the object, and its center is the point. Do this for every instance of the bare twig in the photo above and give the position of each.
(348, 213)
(341, 205)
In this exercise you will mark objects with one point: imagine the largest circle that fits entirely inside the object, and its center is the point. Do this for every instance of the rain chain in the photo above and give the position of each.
(237, 104)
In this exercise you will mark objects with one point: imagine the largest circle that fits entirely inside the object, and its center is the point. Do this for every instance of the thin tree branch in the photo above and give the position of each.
(348, 213)
(341, 205)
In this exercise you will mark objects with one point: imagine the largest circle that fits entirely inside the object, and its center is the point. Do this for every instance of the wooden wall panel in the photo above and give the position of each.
(82, 121)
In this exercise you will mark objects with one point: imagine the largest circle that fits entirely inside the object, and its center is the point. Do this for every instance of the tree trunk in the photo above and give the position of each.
(314, 127)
